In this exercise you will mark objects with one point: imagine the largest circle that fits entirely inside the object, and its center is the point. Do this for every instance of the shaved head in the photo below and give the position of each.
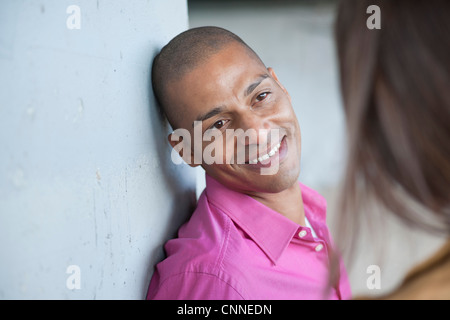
(183, 54)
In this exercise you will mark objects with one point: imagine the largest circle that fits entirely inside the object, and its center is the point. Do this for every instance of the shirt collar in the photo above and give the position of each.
(270, 230)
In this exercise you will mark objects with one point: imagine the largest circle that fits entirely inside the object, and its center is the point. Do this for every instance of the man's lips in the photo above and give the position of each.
(265, 156)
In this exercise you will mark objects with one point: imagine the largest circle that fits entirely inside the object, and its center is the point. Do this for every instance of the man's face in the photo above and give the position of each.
(233, 90)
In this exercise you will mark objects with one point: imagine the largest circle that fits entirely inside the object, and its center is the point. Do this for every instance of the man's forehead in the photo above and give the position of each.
(230, 68)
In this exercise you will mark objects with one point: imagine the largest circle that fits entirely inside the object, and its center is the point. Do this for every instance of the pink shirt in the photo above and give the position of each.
(234, 247)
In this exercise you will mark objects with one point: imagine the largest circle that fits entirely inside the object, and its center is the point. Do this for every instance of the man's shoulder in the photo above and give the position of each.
(207, 226)
(200, 244)
(196, 256)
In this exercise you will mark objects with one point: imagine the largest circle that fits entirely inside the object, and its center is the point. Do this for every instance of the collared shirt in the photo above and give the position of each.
(234, 247)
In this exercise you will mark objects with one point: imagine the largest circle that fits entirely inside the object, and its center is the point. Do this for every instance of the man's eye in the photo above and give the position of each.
(262, 96)
(219, 124)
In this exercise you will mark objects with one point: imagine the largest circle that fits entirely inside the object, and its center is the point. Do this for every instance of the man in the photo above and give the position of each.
(252, 235)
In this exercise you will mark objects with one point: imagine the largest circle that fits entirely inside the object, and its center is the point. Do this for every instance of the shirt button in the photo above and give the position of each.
(302, 233)
(319, 247)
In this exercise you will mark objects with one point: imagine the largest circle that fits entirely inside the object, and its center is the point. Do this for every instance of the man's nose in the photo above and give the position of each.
(256, 128)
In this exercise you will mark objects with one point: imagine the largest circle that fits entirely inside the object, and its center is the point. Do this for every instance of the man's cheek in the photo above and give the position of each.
(213, 152)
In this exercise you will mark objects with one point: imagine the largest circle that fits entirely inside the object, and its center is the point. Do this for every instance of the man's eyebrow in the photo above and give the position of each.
(218, 110)
(209, 114)
(255, 84)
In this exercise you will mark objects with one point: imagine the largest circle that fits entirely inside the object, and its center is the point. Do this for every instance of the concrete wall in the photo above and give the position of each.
(85, 173)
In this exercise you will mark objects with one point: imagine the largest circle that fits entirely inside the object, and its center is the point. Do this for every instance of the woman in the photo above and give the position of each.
(395, 83)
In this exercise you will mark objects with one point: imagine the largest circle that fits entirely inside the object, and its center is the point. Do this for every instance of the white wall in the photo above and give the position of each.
(85, 171)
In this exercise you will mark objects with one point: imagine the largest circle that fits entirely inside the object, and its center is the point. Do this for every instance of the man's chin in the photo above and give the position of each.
(252, 181)
(276, 183)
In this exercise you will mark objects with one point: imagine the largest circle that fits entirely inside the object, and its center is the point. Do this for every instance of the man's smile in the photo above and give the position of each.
(275, 156)
(267, 155)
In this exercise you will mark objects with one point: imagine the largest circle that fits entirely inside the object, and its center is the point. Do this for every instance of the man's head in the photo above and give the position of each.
(182, 55)
(210, 75)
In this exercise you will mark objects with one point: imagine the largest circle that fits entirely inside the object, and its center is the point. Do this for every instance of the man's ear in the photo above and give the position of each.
(274, 76)
(184, 151)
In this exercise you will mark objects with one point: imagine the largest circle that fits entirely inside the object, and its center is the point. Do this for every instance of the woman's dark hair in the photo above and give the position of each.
(395, 84)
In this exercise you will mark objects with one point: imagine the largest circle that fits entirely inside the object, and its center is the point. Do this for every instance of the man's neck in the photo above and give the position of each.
(288, 202)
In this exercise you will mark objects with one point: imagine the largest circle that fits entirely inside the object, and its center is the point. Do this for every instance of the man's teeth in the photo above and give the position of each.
(266, 156)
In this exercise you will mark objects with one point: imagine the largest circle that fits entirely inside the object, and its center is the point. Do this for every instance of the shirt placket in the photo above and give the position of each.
(318, 244)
